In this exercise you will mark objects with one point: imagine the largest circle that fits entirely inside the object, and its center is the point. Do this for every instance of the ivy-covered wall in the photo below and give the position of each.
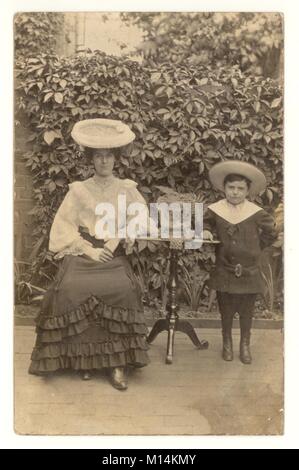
(33, 33)
(186, 116)
(185, 119)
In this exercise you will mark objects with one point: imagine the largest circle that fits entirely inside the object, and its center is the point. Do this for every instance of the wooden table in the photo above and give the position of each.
(172, 322)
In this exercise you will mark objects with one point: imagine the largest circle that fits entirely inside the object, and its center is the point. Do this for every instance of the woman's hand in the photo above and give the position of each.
(99, 254)
(105, 255)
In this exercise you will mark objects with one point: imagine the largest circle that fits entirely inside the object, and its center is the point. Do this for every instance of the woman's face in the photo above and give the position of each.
(103, 160)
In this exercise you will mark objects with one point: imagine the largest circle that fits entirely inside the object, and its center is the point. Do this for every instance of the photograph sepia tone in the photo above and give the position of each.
(148, 223)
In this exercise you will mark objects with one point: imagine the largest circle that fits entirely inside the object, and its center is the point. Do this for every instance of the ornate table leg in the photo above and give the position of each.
(172, 306)
(186, 327)
(159, 326)
(172, 322)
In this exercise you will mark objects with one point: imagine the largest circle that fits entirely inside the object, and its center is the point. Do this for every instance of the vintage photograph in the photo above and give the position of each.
(148, 223)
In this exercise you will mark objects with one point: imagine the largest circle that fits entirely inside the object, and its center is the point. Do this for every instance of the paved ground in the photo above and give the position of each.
(199, 394)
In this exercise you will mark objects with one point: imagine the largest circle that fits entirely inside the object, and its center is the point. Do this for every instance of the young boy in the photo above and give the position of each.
(244, 230)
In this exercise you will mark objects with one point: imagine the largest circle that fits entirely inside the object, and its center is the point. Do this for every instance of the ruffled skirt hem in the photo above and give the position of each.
(93, 336)
(132, 357)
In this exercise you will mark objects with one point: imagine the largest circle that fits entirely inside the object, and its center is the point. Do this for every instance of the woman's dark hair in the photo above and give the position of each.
(117, 151)
(90, 151)
(235, 177)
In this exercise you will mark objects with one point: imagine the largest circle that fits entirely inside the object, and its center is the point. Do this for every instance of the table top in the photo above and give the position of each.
(167, 239)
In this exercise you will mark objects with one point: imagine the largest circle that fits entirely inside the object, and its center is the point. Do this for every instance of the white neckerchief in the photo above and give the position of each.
(234, 214)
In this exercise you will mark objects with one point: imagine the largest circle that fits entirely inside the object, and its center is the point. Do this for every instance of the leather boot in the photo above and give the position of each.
(246, 309)
(118, 378)
(227, 349)
(245, 355)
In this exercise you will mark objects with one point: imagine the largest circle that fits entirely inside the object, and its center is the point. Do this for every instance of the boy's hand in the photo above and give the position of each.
(206, 235)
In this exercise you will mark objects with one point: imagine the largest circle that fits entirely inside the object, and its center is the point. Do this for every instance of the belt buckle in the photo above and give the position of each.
(238, 270)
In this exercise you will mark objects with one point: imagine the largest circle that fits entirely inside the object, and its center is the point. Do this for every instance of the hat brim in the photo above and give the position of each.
(219, 171)
(102, 133)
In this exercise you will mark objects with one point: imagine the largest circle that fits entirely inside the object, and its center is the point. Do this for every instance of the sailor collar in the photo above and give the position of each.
(234, 214)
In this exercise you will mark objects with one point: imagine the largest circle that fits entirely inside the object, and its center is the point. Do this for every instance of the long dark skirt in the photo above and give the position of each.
(91, 318)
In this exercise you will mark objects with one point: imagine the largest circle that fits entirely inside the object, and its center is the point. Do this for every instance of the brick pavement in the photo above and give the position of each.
(199, 394)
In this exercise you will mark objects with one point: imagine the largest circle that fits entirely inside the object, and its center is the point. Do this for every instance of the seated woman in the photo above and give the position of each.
(92, 316)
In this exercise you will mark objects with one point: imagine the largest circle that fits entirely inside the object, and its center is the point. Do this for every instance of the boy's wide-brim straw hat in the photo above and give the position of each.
(219, 171)
(102, 133)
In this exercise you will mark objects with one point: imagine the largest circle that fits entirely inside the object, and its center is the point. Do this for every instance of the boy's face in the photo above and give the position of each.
(236, 191)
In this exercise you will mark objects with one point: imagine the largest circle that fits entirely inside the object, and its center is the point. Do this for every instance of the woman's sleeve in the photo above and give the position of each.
(147, 225)
(64, 235)
(267, 228)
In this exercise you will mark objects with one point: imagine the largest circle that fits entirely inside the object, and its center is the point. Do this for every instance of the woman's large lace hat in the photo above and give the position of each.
(102, 133)
(219, 171)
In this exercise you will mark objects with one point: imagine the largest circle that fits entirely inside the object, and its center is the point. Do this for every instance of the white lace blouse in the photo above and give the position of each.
(78, 209)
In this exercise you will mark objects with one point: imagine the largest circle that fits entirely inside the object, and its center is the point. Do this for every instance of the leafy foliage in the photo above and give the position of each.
(36, 32)
(252, 41)
(186, 118)
(272, 266)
